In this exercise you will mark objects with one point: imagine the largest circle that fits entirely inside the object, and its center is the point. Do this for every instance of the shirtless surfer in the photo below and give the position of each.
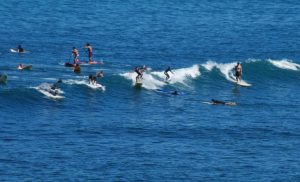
(90, 51)
(75, 55)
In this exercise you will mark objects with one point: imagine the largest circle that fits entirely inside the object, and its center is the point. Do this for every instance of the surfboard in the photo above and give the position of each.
(242, 83)
(138, 83)
(96, 86)
(16, 51)
(50, 93)
(3, 78)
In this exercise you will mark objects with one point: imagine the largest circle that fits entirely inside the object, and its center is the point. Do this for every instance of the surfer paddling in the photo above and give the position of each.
(90, 51)
(218, 102)
(238, 71)
(167, 74)
(75, 55)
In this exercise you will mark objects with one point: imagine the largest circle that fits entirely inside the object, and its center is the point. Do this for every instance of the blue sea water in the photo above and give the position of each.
(124, 133)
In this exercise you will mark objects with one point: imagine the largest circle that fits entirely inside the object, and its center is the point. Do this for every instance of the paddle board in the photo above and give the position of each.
(89, 63)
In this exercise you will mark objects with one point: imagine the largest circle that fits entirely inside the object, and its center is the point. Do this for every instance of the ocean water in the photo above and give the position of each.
(124, 133)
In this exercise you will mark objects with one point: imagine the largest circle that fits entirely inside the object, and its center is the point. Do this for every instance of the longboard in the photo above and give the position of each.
(96, 86)
(16, 51)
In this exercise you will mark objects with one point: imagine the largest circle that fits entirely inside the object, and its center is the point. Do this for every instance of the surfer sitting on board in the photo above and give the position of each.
(139, 72)
(75, 55)
(238, 71)
(167, 74)
(90, 51)
(217, 102)
(20, 49)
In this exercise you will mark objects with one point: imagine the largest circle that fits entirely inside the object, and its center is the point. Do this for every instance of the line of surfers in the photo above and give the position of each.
(138, 70)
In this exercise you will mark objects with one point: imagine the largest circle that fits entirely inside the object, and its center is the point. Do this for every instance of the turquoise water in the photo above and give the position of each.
(124, 133)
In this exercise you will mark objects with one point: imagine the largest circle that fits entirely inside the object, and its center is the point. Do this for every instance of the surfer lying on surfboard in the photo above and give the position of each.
(218, 102)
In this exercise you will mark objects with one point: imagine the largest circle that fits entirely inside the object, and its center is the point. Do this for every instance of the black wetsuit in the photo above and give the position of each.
(217, 101)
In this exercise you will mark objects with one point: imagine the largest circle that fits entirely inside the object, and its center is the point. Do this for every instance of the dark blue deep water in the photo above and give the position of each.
(124, 133)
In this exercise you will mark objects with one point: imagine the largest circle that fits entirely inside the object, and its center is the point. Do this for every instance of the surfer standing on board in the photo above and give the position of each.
(167, 74)
(75, 55)
(139, 72)
(238, 71)
(90, 51)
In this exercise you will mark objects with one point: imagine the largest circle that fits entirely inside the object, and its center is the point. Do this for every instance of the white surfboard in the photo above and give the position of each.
(242, 83)
(95, 86)
(50, 95)
(16, 51)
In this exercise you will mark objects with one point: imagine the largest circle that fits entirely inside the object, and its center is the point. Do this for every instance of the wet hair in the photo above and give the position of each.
(74, 47)
(87, 44)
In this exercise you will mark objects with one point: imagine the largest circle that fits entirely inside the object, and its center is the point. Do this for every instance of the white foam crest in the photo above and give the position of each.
(180, 75)
(149, 82)
(285, 64)
(209, 65)
(226, 70)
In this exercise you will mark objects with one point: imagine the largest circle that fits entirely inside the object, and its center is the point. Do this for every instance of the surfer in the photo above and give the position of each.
(218, 102)
(238, 71)
(20, 49)
(100, 74)
(139, 72)
(75, 55)
(90, 52)
(167, 74)
(53, 88)
(92, 80)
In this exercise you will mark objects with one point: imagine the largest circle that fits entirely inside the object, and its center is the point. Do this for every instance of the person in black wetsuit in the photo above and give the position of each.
(139, 72)
(238, 71)
(20, 48)
(54, 86)
(218, 102)
(167, 74)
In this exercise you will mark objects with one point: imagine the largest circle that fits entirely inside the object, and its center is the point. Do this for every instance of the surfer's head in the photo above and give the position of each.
(87, 44)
